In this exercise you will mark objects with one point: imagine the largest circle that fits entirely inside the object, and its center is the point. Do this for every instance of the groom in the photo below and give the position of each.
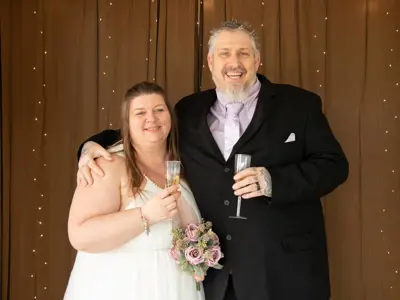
(279, 251)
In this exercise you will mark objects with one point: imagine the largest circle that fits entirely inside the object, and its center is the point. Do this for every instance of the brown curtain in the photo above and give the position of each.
(67, 63)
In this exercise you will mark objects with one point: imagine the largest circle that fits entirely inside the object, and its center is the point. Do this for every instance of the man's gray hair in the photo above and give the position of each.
(233, 26)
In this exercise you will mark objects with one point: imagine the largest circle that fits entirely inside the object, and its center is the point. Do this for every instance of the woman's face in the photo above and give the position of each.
(149, 120)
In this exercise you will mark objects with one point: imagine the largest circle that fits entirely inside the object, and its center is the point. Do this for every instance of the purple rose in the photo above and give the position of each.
(174, 253)
(194, 255)
(192, 232)
(214, 256)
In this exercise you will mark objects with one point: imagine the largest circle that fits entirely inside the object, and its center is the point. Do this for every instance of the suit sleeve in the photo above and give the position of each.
(324, 168)
(105, 138)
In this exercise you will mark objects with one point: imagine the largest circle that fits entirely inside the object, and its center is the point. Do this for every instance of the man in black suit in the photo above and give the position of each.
(278, 252)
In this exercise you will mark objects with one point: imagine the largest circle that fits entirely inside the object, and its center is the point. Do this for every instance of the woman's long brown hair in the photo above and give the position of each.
(135, 176)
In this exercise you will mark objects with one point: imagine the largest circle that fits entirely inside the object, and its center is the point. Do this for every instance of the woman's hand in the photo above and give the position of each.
(163, 206)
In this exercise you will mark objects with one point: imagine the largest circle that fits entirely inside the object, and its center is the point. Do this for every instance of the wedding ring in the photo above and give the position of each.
(258, 186)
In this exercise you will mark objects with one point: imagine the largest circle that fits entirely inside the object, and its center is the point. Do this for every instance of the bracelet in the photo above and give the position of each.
(144, 221)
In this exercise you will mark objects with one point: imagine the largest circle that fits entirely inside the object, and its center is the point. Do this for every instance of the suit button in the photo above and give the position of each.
(226, 202)
(227, 170)
(228, 237)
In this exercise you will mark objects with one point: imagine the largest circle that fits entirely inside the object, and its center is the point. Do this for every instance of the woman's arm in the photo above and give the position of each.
(95, 223)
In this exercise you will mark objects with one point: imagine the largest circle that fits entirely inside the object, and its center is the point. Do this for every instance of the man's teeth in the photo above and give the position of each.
(234, 75)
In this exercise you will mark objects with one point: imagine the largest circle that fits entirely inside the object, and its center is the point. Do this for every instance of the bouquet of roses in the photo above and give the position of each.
(195, 249)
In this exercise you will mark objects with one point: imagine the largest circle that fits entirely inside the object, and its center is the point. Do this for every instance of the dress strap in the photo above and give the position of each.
(152, 182)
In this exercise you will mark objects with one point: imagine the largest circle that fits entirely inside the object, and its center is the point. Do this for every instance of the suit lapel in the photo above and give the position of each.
(261, 114)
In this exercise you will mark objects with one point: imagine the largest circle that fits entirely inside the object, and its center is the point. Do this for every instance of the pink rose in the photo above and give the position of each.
(214, 238)
(214, 256)
(194, 256)
(174, 253)
(192, 232)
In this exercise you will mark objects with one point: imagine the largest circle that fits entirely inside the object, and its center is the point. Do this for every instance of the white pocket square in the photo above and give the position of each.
(291, 138)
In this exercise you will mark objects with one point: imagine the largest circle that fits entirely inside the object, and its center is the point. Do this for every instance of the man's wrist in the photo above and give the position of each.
(85, 148)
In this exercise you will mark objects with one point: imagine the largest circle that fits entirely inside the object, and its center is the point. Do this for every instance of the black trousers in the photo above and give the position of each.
(230, 291)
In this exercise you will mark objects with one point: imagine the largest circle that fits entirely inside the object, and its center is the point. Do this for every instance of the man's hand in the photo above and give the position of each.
(253, 182)
(87, 164)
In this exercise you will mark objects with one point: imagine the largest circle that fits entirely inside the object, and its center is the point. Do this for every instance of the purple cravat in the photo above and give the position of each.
(232, 127)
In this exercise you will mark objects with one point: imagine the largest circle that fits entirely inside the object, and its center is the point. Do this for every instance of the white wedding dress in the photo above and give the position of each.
(141, 269)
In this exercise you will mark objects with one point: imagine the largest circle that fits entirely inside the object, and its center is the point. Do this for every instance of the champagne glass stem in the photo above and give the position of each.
(238, 206)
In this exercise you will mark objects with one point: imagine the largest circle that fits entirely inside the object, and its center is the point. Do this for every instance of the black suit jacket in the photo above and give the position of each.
(279, 252)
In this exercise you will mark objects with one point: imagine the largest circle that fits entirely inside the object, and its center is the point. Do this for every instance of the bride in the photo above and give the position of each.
(121, 224)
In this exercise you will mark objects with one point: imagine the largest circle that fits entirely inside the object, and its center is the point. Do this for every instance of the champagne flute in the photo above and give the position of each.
(242, 161)
(172, 173)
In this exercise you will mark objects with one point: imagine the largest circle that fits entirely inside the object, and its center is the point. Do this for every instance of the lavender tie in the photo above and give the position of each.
(232, 127)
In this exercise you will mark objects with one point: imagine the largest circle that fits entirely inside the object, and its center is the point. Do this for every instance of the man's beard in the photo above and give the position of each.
(236, 92)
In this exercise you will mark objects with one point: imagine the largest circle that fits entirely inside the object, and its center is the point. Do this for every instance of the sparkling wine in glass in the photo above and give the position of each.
(242, 161)
(172, 172)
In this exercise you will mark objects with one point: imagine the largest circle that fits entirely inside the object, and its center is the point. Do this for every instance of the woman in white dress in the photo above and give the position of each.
(121, 224)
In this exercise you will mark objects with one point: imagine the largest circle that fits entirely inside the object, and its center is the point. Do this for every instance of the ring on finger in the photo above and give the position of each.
(257, 186)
